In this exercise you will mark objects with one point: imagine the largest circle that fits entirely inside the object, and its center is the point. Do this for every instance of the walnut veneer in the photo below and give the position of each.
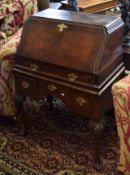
(74, 56)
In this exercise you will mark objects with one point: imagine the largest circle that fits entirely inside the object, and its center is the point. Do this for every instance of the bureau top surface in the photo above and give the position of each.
(80, 17)
(80, 41)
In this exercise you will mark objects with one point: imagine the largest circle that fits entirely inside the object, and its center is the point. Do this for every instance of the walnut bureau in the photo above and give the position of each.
(74, 56)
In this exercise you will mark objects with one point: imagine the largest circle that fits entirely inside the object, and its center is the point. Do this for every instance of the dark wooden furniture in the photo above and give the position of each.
(125, 14)
(74, 56)
(94, 6)
(126, 58)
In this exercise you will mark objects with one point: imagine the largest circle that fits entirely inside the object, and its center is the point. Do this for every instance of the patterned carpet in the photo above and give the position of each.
(58, 144)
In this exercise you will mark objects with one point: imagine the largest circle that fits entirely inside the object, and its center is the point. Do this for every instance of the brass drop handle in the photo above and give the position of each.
(25, 85)
(81, 101)
(72, 76)
(61, 27)
(52, 87)
(34, 67)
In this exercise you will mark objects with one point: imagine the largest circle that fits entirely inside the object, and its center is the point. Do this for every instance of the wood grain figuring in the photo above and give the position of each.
(89, 48)
(95, 6)
(77, 63)
(90, 3)
(88, 56)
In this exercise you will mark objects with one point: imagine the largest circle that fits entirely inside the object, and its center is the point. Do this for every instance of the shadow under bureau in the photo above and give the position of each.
(73, 56)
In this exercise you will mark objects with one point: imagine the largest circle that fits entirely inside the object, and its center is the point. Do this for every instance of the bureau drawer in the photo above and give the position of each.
(77, 101)
(74, 77)
(25, 85)
(59, 72)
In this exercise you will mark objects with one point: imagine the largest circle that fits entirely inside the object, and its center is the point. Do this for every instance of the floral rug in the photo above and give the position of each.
(58, 143)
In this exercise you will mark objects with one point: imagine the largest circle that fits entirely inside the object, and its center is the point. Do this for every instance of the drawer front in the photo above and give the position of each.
(76, 101)
(61, 73)
(81, 103)
(37, 88)
(25, 85)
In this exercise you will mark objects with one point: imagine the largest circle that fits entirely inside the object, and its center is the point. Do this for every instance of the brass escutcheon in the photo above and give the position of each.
(34, 67)
(61, 27)
(52, 87)
(25, 84)
(72, 76)
(81, 101)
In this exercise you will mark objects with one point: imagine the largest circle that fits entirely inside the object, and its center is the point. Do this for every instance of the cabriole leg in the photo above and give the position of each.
(23, 112)
(98, 132)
